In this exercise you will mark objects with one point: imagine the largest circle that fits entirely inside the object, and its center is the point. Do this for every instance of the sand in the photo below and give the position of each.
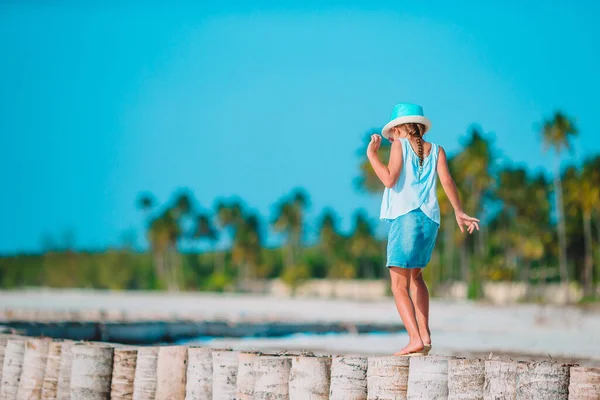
(458, 327)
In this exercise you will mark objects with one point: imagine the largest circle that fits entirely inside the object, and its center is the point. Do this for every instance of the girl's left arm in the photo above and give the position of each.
(389, 174)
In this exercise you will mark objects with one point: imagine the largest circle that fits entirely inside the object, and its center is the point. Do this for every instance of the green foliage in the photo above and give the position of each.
(217, 282)
(113, 269)
(519, 239)
(295, 275)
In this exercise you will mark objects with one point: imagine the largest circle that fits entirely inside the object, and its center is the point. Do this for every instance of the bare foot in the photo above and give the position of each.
(412, 347)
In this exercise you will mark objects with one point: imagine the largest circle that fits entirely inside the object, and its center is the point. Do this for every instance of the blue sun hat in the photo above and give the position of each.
(405, 113)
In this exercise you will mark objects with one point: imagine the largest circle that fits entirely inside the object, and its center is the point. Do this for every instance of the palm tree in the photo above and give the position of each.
(204, 230)
(164, 232)
(448, 227)
(336, 248)
(473, 168)
(557, 133)
(330, 238)
(246, 238)
(289, 218)
(158, 233)
(363, 245)
(246, 248)
(473, 176)
(524, 218)
(591, 169)
(228, 216)
(583, 192)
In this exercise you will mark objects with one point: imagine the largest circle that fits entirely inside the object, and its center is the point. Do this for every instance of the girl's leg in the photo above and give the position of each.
(420, 297)
(400, 285)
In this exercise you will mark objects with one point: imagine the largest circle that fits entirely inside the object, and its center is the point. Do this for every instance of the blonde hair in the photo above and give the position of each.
(415, 131)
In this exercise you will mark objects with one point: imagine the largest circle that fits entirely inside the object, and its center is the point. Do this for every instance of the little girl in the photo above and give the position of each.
(410, 204)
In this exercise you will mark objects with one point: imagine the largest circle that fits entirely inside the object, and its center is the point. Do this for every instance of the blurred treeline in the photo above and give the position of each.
(536, 228)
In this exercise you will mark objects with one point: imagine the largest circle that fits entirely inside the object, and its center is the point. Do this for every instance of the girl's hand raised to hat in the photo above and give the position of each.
(463, 220)
(374, 145)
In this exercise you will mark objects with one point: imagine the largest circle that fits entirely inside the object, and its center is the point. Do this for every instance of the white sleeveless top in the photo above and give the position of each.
(413, 189)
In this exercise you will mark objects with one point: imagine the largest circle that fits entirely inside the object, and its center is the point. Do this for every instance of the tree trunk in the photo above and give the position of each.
(562, 239)
(199, 379)
(159, 268)
(428, 378)
(290, 255)
(170, 372)
(526, 271)
(245, 375)
(500, 380)
(387, 377)
(309, 378)
(544, 380)
(219, 262)
(272, 377)
(91, 372)
(173, 266)
(348, 378)
(144, 381)
(244, 276)
(63, 391)
(50, 385)
(584, 383)
(466, 378)
(121, 387)
(225, 363)
(12, 368)
(588, 272)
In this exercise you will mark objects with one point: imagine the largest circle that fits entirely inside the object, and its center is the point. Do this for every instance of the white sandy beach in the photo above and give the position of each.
(457, 327)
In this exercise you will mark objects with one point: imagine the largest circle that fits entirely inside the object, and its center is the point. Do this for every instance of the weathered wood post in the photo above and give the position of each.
(348, 378)
(428, 378)
(12, 368)
(225, 363)
(144, 381)
(34, 367)
(91, 371)
(272, 377)
(121, 385)
(170, 372)
(50, 385)
(544, 380)
(387, 377)
(63, 391)
(199, 380)
(310, 377)
(245, 375)
(3, 340)
(584, 383)
(500, 380)
(466, 379)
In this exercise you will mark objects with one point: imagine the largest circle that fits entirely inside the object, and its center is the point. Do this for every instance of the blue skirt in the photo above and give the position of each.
(411, 240)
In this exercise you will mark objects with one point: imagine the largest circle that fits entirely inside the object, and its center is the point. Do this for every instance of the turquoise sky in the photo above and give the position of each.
(99, 103)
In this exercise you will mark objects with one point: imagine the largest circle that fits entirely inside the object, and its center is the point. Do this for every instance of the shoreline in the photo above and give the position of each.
(457, 326)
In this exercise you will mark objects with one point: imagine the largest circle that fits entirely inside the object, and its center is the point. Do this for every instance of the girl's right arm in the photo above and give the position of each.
(449, 186)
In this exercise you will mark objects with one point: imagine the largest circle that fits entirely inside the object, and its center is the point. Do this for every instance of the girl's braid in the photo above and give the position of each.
(416, 131)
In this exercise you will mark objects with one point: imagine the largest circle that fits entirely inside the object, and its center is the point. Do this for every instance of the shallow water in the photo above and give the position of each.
(458, 327)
